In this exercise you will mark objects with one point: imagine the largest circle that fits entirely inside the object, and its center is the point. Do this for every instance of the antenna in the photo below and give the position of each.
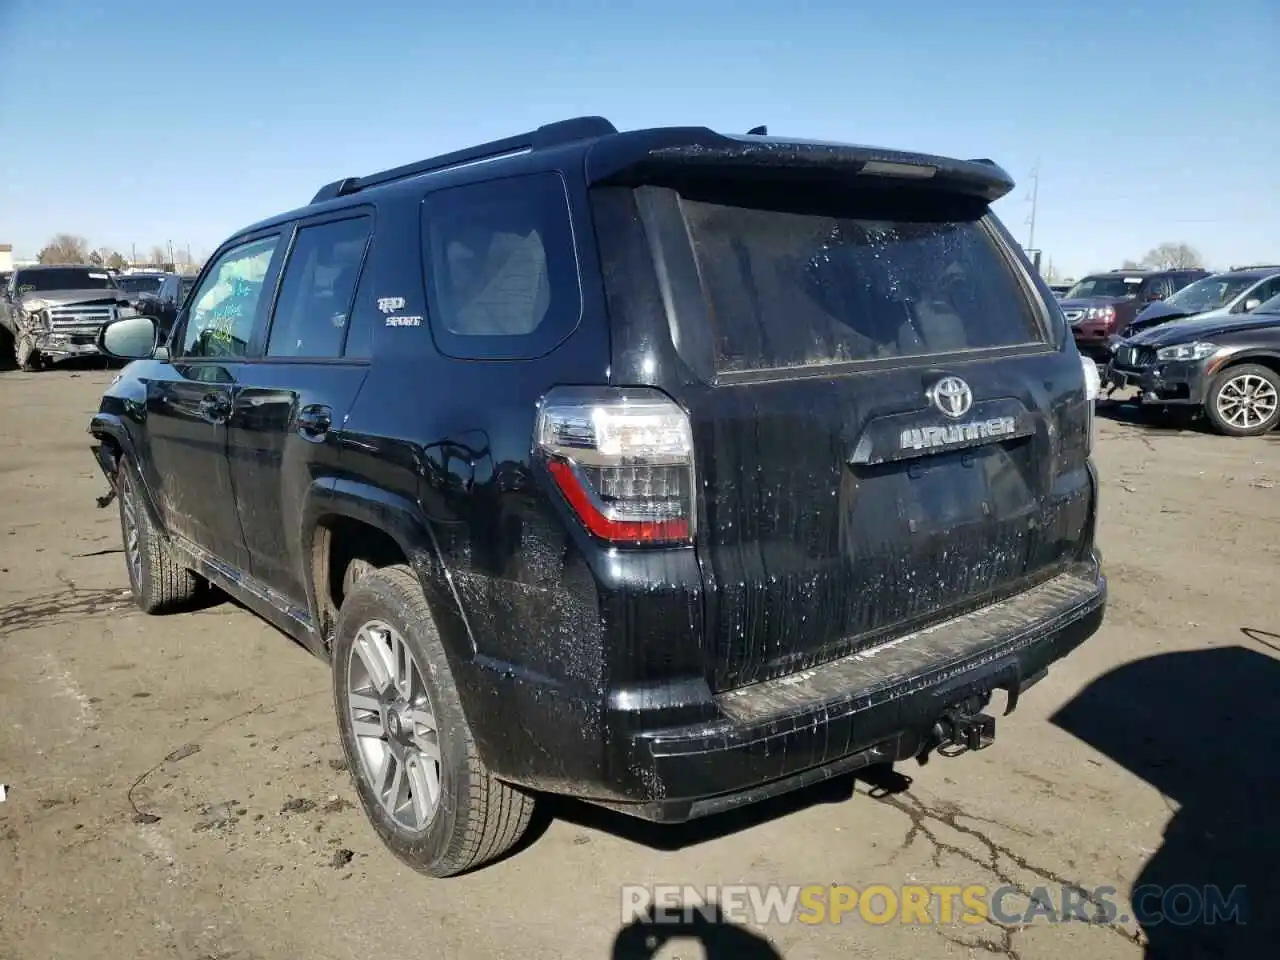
(1034, 200)
(760, 131)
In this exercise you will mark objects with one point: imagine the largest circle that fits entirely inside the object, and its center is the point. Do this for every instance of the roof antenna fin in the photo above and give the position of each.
(760, 131)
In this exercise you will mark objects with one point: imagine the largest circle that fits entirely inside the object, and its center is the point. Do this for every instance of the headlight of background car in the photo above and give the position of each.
(34, 306)
(1186, 351)
(126, 311)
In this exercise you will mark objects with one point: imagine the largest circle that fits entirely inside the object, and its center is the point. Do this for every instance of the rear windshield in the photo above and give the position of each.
(134, 284)
(791, 287)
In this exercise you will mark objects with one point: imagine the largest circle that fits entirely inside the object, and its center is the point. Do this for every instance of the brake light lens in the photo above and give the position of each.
(1092, 393)
(623, 461)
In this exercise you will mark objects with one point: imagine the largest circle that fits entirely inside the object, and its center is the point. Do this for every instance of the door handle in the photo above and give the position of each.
(314, 422)
(215, 407)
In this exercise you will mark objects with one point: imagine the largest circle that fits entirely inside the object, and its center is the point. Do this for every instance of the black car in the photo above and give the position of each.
(164, 302)
(1102, 304)
(1229, 366)
(667, 469)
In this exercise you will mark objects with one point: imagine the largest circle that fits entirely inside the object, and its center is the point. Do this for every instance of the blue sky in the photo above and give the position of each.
(143, 123)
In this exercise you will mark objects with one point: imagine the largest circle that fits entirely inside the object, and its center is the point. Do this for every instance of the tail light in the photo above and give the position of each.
(623, 461)
(1092, 393)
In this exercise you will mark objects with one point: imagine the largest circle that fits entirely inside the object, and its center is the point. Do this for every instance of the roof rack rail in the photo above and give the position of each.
(547, 135)
(1256, 266)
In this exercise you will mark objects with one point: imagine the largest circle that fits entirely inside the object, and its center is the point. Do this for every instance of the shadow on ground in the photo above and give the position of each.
(1203, 728)
(1151, 417)
(678, 836)
(720, 939)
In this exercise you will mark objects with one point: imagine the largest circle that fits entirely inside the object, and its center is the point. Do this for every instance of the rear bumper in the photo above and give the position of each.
(874, 706)
(1169, 383)
(1093, 338)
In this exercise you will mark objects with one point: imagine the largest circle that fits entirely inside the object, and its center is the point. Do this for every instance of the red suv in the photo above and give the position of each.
(1102, 304)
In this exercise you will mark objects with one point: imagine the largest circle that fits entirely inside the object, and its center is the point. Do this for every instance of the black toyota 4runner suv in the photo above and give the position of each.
(666, 469)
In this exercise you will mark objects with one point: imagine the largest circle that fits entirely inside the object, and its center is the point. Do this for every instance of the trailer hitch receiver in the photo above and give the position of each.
(959, 731)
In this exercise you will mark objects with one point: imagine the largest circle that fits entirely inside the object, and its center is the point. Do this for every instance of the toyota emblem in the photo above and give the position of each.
(951, 396)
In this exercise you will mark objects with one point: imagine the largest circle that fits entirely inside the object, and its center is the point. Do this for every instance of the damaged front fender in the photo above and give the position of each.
(113, 449)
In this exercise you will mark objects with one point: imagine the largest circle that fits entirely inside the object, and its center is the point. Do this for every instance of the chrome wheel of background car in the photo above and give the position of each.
(132, 536)
(394, 725)
(1247, 401)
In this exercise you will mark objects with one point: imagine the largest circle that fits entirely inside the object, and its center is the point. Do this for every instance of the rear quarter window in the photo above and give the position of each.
(501, 267)
(800, 286)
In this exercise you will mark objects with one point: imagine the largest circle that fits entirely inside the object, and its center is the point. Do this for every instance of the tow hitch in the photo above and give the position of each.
(962, 728)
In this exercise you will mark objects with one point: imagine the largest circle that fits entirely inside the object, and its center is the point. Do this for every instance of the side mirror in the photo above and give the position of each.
(130, 338)
(1252, 304)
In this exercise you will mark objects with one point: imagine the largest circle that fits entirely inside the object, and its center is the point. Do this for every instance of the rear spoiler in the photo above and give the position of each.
(628, 157)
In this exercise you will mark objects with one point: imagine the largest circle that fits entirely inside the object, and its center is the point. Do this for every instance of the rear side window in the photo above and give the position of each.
(790, 288)
(502, 273)
(319, 282)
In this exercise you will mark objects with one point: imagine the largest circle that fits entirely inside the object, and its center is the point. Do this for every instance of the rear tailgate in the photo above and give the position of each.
(889, 423)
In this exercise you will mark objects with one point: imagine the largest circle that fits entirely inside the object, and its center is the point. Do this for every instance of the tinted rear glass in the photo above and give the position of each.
(791, 288)
(139, 284)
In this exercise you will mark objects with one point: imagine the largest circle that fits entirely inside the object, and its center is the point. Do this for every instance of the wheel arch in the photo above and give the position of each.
(347, 520)
(114, 449)
(1262, 357)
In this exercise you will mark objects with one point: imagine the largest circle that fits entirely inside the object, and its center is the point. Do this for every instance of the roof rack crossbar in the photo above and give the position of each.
(547, 135)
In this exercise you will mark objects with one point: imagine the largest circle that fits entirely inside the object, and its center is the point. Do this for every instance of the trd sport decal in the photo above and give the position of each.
(389, 305)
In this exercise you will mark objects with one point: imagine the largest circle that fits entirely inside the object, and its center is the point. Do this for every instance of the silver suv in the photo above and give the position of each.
(1236, 291)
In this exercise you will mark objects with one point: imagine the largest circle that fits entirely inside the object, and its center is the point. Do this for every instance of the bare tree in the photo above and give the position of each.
(116, 260)
(159, 256)
(1130, 264)
(1173, 256)
(65, 248)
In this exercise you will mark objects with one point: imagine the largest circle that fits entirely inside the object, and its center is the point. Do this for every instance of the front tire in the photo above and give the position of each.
(1244, 401)
(158, 582)
(29, 361)
(411, 754)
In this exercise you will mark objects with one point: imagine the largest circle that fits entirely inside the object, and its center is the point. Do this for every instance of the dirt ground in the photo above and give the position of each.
(174, 787)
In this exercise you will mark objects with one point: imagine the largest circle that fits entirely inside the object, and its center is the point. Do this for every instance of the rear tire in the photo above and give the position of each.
(389, 663)
(1244, 400)
(158, 582)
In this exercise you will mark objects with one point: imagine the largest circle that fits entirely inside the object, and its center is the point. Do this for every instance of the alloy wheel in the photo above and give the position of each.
(132, 535)
(1247, 401)
(394, 725)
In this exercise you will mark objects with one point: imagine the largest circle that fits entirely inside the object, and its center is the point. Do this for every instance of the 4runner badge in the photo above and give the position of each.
(931, 438)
